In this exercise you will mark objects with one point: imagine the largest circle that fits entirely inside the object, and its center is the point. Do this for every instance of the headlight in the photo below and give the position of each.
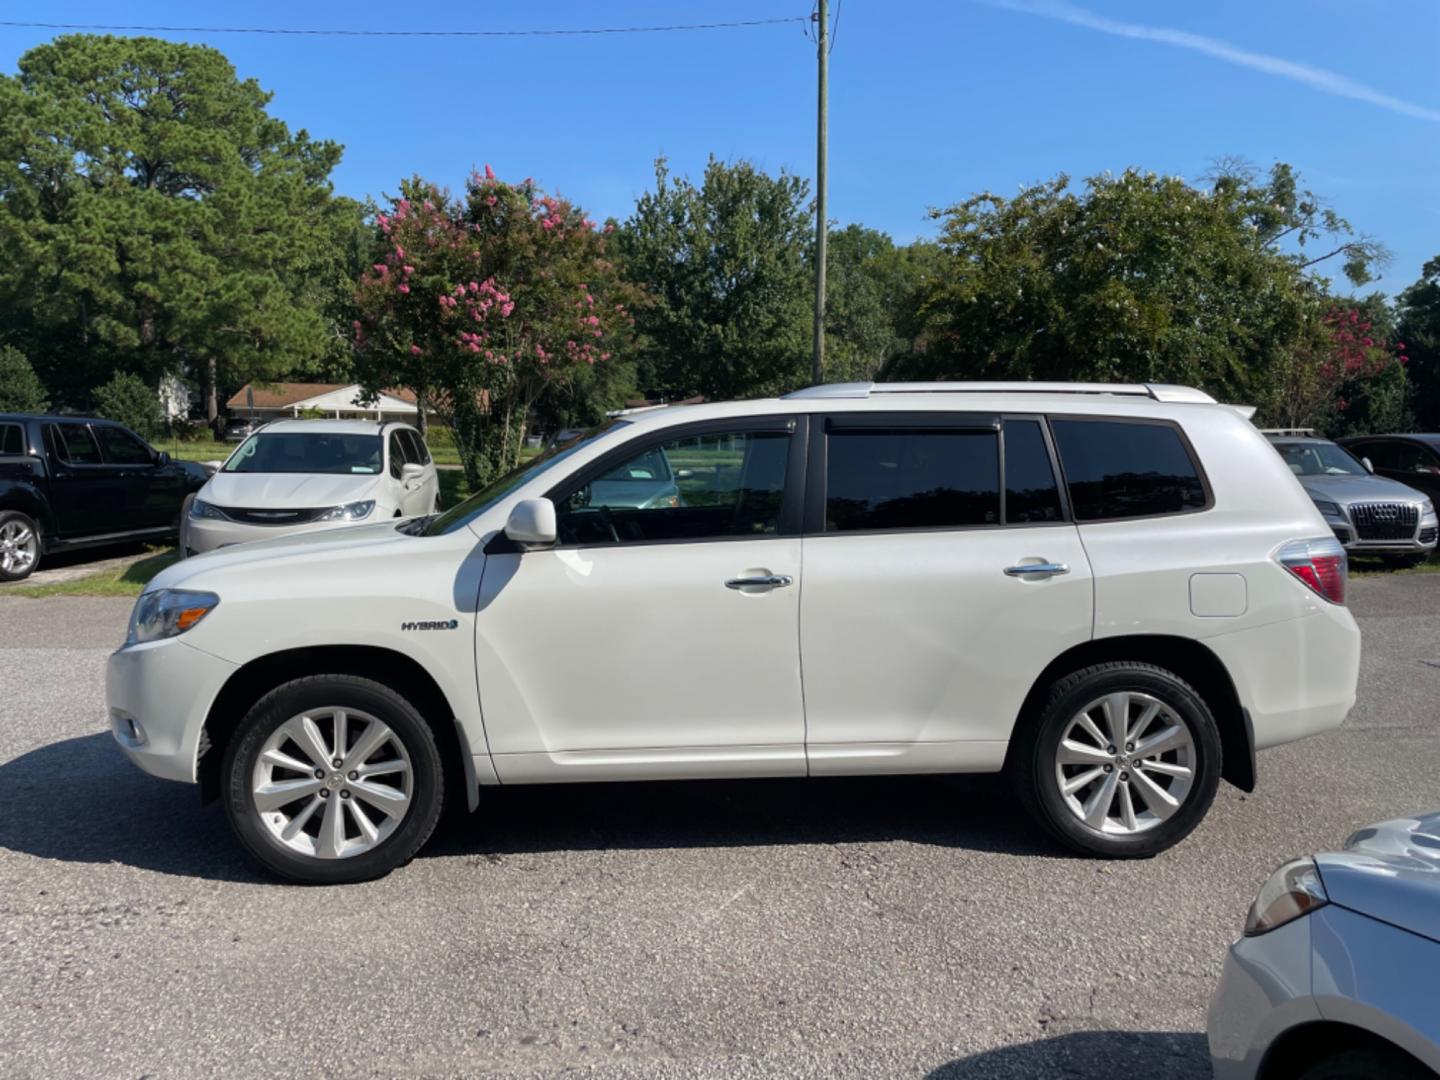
(1293, 890)
(163, 613)
(201, 509)
(355, 511)
(1329, 509)
(1427, 508)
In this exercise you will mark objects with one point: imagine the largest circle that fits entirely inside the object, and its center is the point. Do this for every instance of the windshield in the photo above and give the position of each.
(307, 452)
(463, 513)
(1320, 459)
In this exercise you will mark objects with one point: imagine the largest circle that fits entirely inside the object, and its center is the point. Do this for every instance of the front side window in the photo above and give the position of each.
(307, 452)
(415, 449)
(397, 455)
(911, 479)
(120, 447)
(1031, 493)
(694, 488)
(74, 444)
(1127, 468)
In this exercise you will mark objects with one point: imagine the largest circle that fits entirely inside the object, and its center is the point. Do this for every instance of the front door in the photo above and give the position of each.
(153, 492)
(658, 638)
(935, 592)
(89, 498)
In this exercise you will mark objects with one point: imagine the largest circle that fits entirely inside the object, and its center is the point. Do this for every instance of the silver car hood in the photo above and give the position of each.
(1348, 489)
(1390, 872)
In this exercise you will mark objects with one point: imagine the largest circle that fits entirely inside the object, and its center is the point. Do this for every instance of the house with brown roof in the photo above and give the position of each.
(339, 401)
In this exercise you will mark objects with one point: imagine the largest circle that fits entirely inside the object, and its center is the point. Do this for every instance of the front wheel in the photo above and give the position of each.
(1122, 760)
(333, 779)
(19, 546)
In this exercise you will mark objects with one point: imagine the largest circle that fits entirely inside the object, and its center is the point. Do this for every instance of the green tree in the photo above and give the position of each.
(726, 265)
(1418, 329)
(483, 305)
(20, 388)
(872, 289)
(128, 399)
(1137, 278)
(154, 217)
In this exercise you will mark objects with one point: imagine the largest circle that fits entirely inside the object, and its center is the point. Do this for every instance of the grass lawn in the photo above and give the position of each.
(124, 581)
(1361, 567)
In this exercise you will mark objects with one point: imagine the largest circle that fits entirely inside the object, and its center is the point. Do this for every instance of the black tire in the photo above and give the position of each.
(1033, 764)
(1403, 562)
(1368, 1064)
(316, 693)
(16, 522)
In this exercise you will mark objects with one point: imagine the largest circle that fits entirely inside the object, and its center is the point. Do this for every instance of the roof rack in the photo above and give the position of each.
(1155, 391)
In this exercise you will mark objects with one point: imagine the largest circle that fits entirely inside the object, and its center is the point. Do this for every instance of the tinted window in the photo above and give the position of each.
(1398, 457)
(120, 447)
(415, 449)
(1118, 468)
(74, 444)
(1031, 493)
(696, 488)
(397, 454)
(12, 439)
(899, 479)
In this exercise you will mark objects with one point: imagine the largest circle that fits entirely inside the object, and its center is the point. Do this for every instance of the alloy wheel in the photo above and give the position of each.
(1125, 763)
(332, 783)
(18, 547)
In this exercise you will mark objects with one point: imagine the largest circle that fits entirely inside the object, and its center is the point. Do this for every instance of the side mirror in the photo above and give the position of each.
(1369, 467)
(532, 523)
(411, 471)
(211, 467)
(162, 458)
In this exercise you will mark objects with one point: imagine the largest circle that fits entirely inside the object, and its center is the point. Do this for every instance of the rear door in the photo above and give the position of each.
(921, 628)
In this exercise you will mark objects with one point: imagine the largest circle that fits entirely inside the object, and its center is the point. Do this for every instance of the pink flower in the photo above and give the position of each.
(491, 200)
(609, 227)
(474, 287)
(489, 172)
(399, 252)
(381, 269)
(549, 224)
(592, 320)
(1400, 345)
(404, 288)
(414, 350)
(506, 308)
(408, 270)
(540, 352)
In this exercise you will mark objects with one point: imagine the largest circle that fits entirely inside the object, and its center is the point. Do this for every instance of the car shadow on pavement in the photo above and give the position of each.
(1090, 1055)
(971, 812)
(78, 800)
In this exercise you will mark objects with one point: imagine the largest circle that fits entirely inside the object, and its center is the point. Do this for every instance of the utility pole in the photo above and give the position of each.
(821, 17)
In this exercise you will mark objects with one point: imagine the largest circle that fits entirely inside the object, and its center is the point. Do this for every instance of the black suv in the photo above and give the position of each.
(68, 482)
(1411, 459)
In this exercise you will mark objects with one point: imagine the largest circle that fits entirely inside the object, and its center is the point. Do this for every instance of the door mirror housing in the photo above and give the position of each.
(1369, 466)
(411, 471)
(211, 467)
(162, 458)
(532, 523)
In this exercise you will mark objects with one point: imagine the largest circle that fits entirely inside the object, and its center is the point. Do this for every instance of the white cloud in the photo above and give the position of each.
(1327, 82)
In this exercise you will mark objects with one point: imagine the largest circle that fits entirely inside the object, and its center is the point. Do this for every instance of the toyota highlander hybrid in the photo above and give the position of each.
(1115, 594)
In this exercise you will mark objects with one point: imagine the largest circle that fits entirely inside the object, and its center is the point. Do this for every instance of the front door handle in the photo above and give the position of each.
(1047, 569)
(769, 581)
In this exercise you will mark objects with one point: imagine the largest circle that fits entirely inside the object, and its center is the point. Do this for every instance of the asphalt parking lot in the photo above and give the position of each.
(905, 927)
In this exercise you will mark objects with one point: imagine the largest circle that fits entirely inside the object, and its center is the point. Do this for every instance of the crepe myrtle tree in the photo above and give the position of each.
(482, 303)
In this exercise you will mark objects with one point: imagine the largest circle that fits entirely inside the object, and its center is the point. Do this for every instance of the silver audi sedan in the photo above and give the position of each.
(1337, 976)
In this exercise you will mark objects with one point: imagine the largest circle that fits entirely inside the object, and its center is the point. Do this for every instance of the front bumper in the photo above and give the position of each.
(157, 695)
(1422, 540)
(1264, 991)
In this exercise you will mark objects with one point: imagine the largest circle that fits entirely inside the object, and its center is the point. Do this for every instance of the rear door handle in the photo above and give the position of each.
(769, 581)
(1046, 569)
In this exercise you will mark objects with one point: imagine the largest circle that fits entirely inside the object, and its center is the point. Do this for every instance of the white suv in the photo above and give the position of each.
(311, 474)
(1116, 594)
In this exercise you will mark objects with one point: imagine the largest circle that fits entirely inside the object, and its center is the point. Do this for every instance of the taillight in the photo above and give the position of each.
(1319, 563)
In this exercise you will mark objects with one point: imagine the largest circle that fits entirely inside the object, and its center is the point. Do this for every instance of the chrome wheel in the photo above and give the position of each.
(1125, 763)
(332, 783)
(18, 548)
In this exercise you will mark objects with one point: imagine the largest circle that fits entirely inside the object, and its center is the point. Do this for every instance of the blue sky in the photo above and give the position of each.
(931, 100)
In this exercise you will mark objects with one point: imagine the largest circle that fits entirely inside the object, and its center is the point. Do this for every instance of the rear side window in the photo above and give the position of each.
(12, 439)
(1031, 493)
(74, 444)
(911, 479)
(1127, 468)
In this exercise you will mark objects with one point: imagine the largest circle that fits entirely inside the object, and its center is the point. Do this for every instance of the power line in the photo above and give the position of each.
(408, 33)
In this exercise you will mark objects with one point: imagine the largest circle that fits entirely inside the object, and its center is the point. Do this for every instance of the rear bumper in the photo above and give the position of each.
(1297, 677)
(157, 695)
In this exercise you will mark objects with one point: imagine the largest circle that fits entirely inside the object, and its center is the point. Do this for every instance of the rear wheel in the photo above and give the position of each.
(1122, 760)
(333, 779)
(19, 546)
